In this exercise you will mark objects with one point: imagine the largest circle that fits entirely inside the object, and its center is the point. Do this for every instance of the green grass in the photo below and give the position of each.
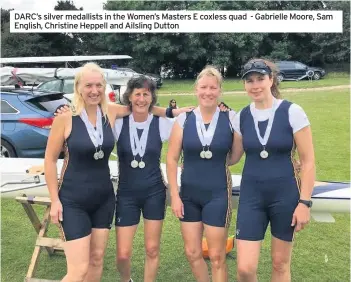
(187, 86)
(321, 252)
(329, 114)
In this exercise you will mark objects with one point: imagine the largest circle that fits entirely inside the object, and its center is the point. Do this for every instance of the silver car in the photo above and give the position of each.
(113, 92)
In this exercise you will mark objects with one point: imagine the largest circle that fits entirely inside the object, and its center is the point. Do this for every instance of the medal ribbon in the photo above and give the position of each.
(96, 136)
(267, 133)
(138, 146)
(206, 136)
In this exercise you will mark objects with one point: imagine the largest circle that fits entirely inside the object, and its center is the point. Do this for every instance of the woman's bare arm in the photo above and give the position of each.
(173, 155)
(53, 149)
(304, 144)
(161, 112)
(117, 111)
(237, 150)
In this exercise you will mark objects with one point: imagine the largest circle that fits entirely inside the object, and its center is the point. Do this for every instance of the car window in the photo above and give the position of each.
(126, 69)
(68, 86)
(282, 65)
(299, 66)
(108, 88)
(48, 103)
(54, 85)
(6, 108)
(115, 87)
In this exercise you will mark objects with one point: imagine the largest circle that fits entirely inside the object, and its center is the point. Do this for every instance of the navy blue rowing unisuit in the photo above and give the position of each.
(206, 184)
(269, 190)
(85, 188)
(140, 190)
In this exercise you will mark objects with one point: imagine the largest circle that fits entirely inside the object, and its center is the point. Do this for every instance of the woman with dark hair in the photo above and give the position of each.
(141, 187)
(270, 130)
(173, 104)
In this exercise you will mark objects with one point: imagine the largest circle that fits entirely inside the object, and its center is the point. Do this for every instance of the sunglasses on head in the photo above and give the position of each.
(257, 65)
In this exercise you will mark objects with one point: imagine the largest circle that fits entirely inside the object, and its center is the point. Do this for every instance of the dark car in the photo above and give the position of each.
(293, 70)
(157, 78)
(26, 119)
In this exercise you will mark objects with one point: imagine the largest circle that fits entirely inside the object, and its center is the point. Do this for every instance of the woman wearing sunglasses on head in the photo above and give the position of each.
(270, 130)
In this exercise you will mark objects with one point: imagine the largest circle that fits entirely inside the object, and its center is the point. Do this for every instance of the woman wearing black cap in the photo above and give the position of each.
(269, 131)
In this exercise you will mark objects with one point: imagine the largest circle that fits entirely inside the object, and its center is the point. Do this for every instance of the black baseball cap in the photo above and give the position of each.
(256, 66)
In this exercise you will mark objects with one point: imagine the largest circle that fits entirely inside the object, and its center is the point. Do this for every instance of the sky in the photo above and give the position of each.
(48, 5)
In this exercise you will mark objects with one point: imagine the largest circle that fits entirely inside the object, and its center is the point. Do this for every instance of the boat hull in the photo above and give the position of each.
(328, 197)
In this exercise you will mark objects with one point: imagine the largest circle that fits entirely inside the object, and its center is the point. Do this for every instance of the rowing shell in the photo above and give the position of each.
(26, 176)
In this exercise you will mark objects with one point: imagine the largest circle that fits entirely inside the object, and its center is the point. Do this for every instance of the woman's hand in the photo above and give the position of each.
(298, 166)
(177, 206)
(301, 217)
(63, 110)
(56, 212)
(223, 107)
(177, 112)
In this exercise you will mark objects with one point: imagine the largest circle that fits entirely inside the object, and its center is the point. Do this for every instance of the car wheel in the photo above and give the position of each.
(280, 77)
(6, 150)
(316, 76)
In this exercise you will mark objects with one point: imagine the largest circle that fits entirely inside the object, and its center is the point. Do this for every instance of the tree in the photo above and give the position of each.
(185, 54)
(36, 44)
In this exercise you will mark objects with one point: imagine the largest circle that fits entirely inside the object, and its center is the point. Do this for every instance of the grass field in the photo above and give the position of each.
(321, 252)
(187, 86)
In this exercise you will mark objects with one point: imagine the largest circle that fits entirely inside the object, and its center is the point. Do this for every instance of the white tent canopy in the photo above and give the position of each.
(39, 75)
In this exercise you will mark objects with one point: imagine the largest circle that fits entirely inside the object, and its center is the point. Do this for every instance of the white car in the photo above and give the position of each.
(113, 92)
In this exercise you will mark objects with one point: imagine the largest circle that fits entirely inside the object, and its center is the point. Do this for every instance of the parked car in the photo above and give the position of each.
(26, 119)
(293, 70)
(66, 86)
(154, 77)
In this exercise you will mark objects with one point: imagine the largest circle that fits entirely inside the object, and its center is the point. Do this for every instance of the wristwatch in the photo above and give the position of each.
(305, 202)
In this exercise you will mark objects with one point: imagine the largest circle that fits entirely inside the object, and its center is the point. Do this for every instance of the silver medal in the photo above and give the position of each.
(208, 154)
(96, 134)
(96, 155)
(138, 145)
(141, 164)
(264, 154)
(134, 164)
(206, 135)
(101, 154)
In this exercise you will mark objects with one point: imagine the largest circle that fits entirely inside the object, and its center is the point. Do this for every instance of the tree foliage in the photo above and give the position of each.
(184, 55)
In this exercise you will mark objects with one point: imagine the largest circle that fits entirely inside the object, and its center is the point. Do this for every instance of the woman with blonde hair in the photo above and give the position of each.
(270, 131)
(204, 203)
(82, 201)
